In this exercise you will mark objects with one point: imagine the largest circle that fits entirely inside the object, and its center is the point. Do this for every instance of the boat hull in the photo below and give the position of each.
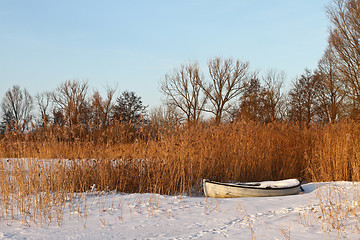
(229, 190)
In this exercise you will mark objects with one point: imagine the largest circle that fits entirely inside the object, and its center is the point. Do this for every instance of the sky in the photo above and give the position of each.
(131, 45)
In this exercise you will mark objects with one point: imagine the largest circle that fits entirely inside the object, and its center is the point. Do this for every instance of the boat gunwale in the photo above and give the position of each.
(245, 186)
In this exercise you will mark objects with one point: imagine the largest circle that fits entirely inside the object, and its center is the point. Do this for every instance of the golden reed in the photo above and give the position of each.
(175, 160)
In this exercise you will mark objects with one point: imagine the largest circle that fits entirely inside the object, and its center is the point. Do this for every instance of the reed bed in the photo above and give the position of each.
(336, 153)
(121, 158)
(51, 167)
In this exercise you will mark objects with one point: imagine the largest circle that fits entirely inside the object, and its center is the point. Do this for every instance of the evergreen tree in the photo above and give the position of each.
(129, 108)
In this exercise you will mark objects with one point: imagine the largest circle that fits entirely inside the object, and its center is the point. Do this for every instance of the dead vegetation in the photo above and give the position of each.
(174, 161)
(52, 167)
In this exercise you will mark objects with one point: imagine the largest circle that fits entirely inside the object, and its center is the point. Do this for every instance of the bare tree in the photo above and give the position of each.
(303, 100)
(228, 79)
(71, 103)
(263, 102)
(16, 106)
(165, 117)
(102, 108)
(182, 89)
(345, 42)
(330, 94)
(43, 101)
(272, 97)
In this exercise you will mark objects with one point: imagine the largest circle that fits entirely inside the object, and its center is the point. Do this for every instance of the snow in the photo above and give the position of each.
(271, 184)
(280, 184)
(322, 211)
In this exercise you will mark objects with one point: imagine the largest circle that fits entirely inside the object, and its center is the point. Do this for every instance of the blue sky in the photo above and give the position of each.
(133, 44)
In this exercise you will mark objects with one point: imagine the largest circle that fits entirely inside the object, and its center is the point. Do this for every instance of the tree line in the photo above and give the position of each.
(229, 91)
(69, 105)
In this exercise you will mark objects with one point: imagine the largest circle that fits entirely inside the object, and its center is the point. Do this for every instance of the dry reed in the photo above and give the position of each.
(51, 167)
(120, 158)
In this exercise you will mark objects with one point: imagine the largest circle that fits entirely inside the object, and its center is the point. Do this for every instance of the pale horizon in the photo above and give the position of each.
(132, 45)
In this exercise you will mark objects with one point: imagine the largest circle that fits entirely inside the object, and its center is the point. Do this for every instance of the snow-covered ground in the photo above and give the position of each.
(323, 211)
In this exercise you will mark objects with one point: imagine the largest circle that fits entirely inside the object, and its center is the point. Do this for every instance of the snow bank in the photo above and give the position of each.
(152, 216)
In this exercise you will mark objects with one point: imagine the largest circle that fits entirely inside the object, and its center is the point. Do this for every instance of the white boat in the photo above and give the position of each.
(252, 189)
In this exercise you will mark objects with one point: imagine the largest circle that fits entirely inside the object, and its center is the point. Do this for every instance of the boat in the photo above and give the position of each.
(251, 189)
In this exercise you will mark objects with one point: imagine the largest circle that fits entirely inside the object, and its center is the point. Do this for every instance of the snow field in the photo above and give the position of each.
(323, 211)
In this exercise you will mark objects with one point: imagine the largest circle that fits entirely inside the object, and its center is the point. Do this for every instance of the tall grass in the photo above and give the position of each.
(336, 153)
(51, 167)
(173, 161)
